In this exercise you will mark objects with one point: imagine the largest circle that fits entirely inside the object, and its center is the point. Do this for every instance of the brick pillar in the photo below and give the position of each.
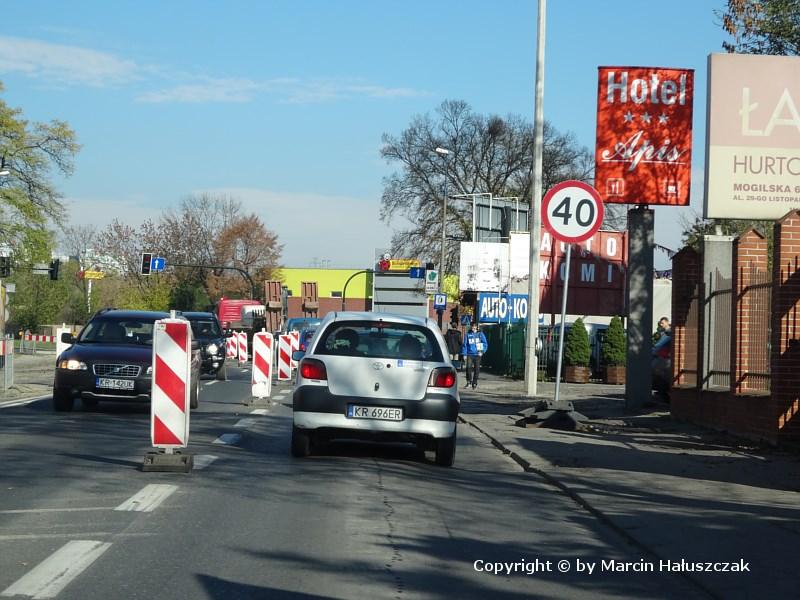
(686, 279)
(750, 315)
(785, 360)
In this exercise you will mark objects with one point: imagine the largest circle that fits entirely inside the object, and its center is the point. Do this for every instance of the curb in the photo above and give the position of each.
(588, 507)
(11, 403)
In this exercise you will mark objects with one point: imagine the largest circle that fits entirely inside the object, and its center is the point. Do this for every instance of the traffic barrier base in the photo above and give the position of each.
(168, 462)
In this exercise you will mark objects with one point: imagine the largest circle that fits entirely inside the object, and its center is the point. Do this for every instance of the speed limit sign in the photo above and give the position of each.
(572, 211)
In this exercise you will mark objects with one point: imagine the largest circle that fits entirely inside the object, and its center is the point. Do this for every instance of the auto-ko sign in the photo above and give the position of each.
(643, 153)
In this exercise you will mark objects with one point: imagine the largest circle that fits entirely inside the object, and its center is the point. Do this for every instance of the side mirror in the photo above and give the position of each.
(298, 354)
(67, 338)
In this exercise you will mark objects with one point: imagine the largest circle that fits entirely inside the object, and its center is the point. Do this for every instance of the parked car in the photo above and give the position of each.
(111, 359)
(377, 376)
(207, 330)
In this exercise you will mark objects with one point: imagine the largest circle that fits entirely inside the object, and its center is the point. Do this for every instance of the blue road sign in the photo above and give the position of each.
(439, 301)
(157, 264)
(416, 272)
(466, 320)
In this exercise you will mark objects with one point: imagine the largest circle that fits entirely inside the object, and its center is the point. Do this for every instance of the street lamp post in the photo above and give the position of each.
(443, 152)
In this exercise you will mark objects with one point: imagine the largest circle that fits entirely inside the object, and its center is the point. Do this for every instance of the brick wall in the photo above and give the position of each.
(686, 279)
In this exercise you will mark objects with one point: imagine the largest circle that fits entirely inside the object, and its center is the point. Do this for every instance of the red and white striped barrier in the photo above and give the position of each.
(242, 338)
(169, 403)
(32, 337)
(232, 346)
(261, 377)
(6, 347)
(284, 357)
(295, 345)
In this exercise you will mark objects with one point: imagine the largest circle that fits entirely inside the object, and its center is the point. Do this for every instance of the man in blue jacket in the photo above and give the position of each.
(473, 348)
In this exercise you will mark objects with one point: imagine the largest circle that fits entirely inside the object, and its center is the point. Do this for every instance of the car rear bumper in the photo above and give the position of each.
(316, 408)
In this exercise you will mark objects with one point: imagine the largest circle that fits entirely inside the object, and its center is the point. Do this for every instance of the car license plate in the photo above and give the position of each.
(115, 384)
(374, 412)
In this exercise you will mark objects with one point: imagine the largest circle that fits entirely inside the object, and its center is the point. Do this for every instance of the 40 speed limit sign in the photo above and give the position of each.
(572, 211)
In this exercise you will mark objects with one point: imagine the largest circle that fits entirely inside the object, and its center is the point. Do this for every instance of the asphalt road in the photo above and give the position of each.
(79, 519)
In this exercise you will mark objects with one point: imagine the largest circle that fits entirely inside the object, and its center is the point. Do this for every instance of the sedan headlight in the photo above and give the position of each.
(72, 365)
(212, 348)
(149, 370)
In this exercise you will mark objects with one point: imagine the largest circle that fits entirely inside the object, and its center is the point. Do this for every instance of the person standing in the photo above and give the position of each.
(472, 350)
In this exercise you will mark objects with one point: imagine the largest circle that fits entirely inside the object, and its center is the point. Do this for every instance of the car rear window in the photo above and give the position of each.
(205, 328)
(378, 339)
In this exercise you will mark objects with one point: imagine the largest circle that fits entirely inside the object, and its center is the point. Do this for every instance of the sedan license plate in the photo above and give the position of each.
(115, 384)
(382, 413)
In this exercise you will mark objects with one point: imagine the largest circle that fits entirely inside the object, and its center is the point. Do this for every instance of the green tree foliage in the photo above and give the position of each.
(614, 344)
(488, 154)
(576, 345)
(28, 200)
(762, 26)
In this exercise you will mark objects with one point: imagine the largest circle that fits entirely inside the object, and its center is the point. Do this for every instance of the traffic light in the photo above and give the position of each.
(454, 316)
(54, 265)
(147, 258)
(5, 266)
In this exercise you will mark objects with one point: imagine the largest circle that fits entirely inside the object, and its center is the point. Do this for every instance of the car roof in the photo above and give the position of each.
(195, 315)
(116, 313)
(376, 316)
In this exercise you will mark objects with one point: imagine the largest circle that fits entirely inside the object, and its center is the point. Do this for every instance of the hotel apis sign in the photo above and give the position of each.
(753, 145)
(643, 152)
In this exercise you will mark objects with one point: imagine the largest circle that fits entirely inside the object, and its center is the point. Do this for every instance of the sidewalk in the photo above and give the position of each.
(33, 377)
(673, 490)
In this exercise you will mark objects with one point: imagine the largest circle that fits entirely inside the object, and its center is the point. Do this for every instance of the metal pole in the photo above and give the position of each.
(89, 297)
(444, 221)
(563, 317)
(532, 333)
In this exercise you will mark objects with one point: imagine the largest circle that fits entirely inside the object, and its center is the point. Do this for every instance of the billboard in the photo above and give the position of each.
(643, 152)
(753, 136)
(597, 278)
(484, 267)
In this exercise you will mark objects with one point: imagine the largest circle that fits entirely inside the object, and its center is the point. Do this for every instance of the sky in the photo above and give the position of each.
(282, 104)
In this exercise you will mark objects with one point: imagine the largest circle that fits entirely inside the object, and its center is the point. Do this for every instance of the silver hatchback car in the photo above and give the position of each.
(376, 376)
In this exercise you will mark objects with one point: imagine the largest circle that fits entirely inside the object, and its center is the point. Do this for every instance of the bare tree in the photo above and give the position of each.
(487, 155)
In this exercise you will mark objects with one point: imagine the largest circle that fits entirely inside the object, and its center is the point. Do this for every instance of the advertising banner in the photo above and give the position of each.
(484, 267)
(643, 152)
(753, 145)
(597, 273)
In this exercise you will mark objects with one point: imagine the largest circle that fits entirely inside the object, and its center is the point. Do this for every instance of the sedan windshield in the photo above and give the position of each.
(117, 331)
(205, 328)
(379, 340)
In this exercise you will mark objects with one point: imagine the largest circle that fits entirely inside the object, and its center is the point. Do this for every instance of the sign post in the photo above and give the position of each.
(572, 211)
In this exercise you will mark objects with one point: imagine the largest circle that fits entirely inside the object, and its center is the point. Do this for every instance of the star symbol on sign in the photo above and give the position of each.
(663, 119)
(628, 117)
(646, 117)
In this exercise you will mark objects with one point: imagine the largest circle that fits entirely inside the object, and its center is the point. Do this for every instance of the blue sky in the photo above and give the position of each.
(282, 104)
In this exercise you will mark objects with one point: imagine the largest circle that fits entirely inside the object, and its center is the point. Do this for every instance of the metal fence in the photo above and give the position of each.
(758, 299)
(718, 331)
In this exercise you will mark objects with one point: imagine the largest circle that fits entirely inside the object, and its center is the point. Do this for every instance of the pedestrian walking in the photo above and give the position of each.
(454, 341)
(474, 346)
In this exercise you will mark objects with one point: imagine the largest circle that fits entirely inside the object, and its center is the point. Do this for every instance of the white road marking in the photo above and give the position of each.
(22, 511)
(245, 423)
(201, 461)
(51, 536)
(228, 438)
(52, 575)
(148, 498)
(211, 382)
(259, 411)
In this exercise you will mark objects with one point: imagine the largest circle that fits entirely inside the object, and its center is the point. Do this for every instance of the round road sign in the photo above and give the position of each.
(572, 211)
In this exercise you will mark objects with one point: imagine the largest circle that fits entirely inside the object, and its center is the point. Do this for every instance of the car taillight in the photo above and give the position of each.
(313, 369)
(442, 378)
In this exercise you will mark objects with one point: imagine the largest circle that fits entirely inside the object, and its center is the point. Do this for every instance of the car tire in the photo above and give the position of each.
(446, 451)
(301, 442)
(222, 373)
(194, 399)
(62, 402)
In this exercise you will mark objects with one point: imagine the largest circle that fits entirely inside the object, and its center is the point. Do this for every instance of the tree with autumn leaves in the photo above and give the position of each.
(204, 231)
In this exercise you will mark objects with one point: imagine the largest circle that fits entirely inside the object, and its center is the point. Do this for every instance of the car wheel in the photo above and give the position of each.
(301, 442)
(446, 451)
(194, 400)
(62, 402)
(222, 373)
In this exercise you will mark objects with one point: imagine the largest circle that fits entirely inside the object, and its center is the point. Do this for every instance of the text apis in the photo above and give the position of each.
(640, 90)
